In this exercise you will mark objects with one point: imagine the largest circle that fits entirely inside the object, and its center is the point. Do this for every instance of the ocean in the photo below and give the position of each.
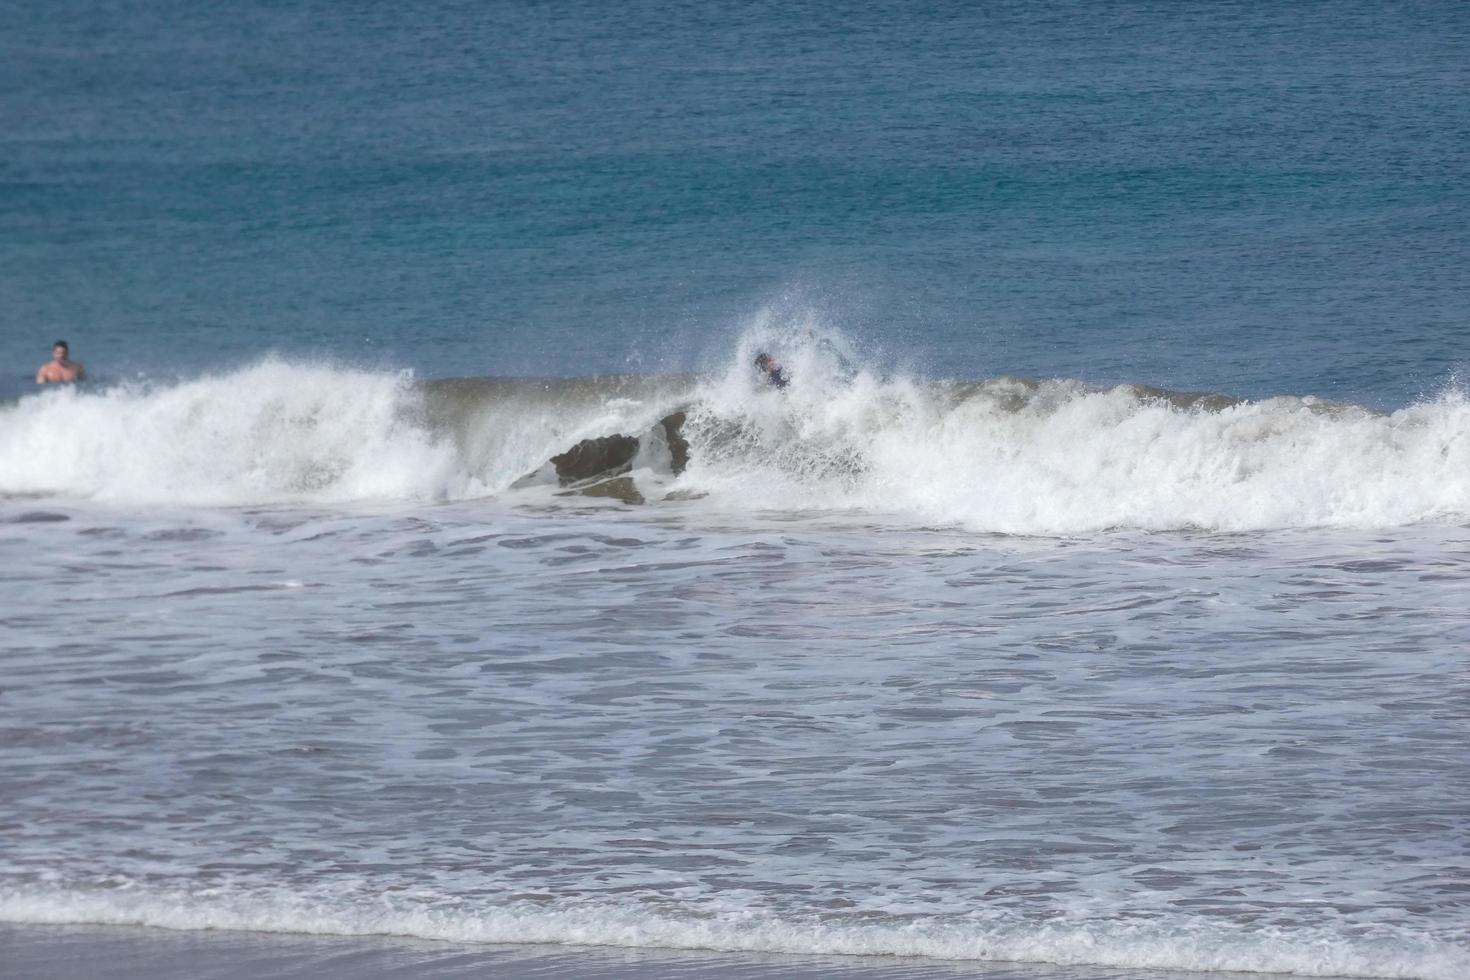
(426, 582)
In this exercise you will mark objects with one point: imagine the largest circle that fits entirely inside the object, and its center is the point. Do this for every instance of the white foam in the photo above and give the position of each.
(1177, 943)
(280, 432)
(1060, 458)
(272, 432)
(1005, 457)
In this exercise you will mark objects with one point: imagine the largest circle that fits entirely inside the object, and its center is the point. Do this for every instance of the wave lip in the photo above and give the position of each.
(1194, 945)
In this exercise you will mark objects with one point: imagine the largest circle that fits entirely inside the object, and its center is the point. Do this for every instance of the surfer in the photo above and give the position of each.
(61, 369)
(772, 369)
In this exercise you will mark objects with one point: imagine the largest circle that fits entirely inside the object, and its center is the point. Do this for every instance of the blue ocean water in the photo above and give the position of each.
(1240, 198)
(425, 557)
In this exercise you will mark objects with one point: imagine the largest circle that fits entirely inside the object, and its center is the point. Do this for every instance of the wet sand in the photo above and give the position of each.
(125, 953)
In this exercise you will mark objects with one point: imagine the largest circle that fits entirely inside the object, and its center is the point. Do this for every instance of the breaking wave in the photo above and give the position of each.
(1004, 455)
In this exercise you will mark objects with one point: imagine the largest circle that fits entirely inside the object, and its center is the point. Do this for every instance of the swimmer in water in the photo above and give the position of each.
(61, 369)
(772, 368)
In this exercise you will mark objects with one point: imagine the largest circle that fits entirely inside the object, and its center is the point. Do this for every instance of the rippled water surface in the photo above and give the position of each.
(1201, 750)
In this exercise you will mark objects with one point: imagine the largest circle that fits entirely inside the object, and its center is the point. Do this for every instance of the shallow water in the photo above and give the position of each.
(476, 722)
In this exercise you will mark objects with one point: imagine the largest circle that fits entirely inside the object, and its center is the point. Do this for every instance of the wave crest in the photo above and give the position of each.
(1005, 455)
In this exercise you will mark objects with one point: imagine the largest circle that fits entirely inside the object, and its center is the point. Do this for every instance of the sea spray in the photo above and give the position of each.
(282, 432)
(274, 432)
(1058, 457)
(1004, 455)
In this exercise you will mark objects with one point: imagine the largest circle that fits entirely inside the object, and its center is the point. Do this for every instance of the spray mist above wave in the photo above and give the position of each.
(1005, 455)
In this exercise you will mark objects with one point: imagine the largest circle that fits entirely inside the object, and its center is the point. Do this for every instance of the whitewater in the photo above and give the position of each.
(1006, 455)
(982, 671)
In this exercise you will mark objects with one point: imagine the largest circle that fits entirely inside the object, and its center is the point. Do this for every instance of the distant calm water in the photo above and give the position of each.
(1095, 594)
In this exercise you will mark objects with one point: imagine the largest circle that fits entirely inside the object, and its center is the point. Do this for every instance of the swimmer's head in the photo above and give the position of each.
(59, 351)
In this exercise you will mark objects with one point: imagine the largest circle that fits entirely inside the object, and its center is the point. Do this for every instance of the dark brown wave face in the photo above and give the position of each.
(448, 401)
(1014, 394)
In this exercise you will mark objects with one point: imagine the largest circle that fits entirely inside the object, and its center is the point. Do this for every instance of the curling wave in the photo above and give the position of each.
(1005, 455)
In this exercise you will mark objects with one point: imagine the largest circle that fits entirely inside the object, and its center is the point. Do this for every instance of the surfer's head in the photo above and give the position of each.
(772, 369)
(60, 351)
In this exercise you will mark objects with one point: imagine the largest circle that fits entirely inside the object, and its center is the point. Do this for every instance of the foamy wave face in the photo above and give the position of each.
(1115, 459)
(1056, 457)
(1006, 456)
(280, 432)
(273, 432)
(1383, 950)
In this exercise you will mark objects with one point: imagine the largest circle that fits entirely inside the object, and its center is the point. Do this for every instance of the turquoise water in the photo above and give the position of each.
(427, 559)
(1243, 198)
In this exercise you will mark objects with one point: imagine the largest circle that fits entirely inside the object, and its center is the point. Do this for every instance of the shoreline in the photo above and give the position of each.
(73, 952)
